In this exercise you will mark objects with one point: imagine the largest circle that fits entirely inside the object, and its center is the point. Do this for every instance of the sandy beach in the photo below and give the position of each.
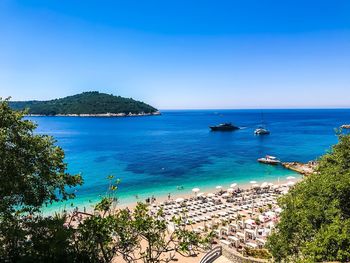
(89, 207)
(174, 196)
(264, 198)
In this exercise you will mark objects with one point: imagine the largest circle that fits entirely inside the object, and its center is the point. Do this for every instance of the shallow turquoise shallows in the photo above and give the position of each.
(154, 155)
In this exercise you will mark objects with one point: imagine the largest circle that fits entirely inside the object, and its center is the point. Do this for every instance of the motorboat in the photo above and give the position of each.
(268, 159)
(224, 127)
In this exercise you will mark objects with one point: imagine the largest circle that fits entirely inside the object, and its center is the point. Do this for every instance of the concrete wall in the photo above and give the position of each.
(235, 257)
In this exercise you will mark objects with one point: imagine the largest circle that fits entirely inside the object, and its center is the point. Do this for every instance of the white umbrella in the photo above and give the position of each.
(270, 214)
(230, 190)
(233, 185)
(218, 187)
(200, 194)
(249, 222)
(255, 185)
(179, 200)
(210, 195)
(226, 195)
(195, 190)
(270, 184)
(278, 210)
(264, 184)
(252, 182)
(290, 177)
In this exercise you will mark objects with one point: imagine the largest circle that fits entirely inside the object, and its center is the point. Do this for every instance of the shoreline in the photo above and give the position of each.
(162, 198)
(157, 113)
(131, 204)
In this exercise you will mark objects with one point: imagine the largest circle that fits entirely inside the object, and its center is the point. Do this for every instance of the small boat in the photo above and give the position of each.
(268, 159)
(224, 127)
(261, 131)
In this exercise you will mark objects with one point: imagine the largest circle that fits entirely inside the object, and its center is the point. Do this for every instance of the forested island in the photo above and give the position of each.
(91, 103)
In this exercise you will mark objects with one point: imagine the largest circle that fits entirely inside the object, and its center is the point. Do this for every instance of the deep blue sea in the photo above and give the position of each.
(153, 155)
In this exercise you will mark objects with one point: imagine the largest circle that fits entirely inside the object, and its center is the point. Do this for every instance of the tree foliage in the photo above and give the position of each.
(315, 222)
(32, 173)
(85, 103)
(137, 235)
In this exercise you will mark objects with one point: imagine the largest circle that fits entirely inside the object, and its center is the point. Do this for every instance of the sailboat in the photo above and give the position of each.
(261, 130)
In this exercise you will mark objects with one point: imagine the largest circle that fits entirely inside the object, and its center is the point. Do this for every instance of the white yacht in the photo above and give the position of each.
(261, 131)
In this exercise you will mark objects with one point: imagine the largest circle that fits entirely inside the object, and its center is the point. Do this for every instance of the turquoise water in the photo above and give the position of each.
(153, 155)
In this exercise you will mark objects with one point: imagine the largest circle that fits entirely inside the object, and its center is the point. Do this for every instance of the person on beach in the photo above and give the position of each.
(153, 199)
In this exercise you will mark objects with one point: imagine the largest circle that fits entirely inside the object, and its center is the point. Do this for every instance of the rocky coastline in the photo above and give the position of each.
(302, 168)
(108, 114)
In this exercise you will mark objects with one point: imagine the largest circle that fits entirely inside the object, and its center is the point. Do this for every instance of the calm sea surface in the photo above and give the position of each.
(153, 155)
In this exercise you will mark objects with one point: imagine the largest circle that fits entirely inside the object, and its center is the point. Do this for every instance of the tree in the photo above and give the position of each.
(32, 174)
(315, 222)
(32, 170)
(136, 235)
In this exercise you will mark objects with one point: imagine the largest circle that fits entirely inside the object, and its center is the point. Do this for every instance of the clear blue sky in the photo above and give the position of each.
(179, 54)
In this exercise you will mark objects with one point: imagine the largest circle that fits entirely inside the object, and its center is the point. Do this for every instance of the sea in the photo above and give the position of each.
(176, 151)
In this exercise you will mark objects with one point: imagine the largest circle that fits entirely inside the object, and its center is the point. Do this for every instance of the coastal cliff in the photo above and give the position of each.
(87, 104)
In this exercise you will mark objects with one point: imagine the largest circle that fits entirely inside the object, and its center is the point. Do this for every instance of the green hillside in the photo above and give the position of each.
(85, 103)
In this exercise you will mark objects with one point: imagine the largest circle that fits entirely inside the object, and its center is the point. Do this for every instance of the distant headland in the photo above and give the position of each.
(87, 104)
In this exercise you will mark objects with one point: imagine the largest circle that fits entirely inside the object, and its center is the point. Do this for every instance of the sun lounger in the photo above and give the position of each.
(225, 242)
(251, 245)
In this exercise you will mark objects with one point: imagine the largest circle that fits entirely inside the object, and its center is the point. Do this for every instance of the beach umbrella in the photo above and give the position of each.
(264, 184)
(255, 186)
(290, 177)
(270, 184)
(233, 185)
(226, 195)
(230, 190)
(219, 187)
(210, 195)
(195, 190)
(249, 222)
(179, 200)
(200, 194)
(252, 182)
(270, 214)
(278, 210)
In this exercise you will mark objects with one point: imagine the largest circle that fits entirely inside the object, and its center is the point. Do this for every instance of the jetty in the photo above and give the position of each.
(302, 168)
